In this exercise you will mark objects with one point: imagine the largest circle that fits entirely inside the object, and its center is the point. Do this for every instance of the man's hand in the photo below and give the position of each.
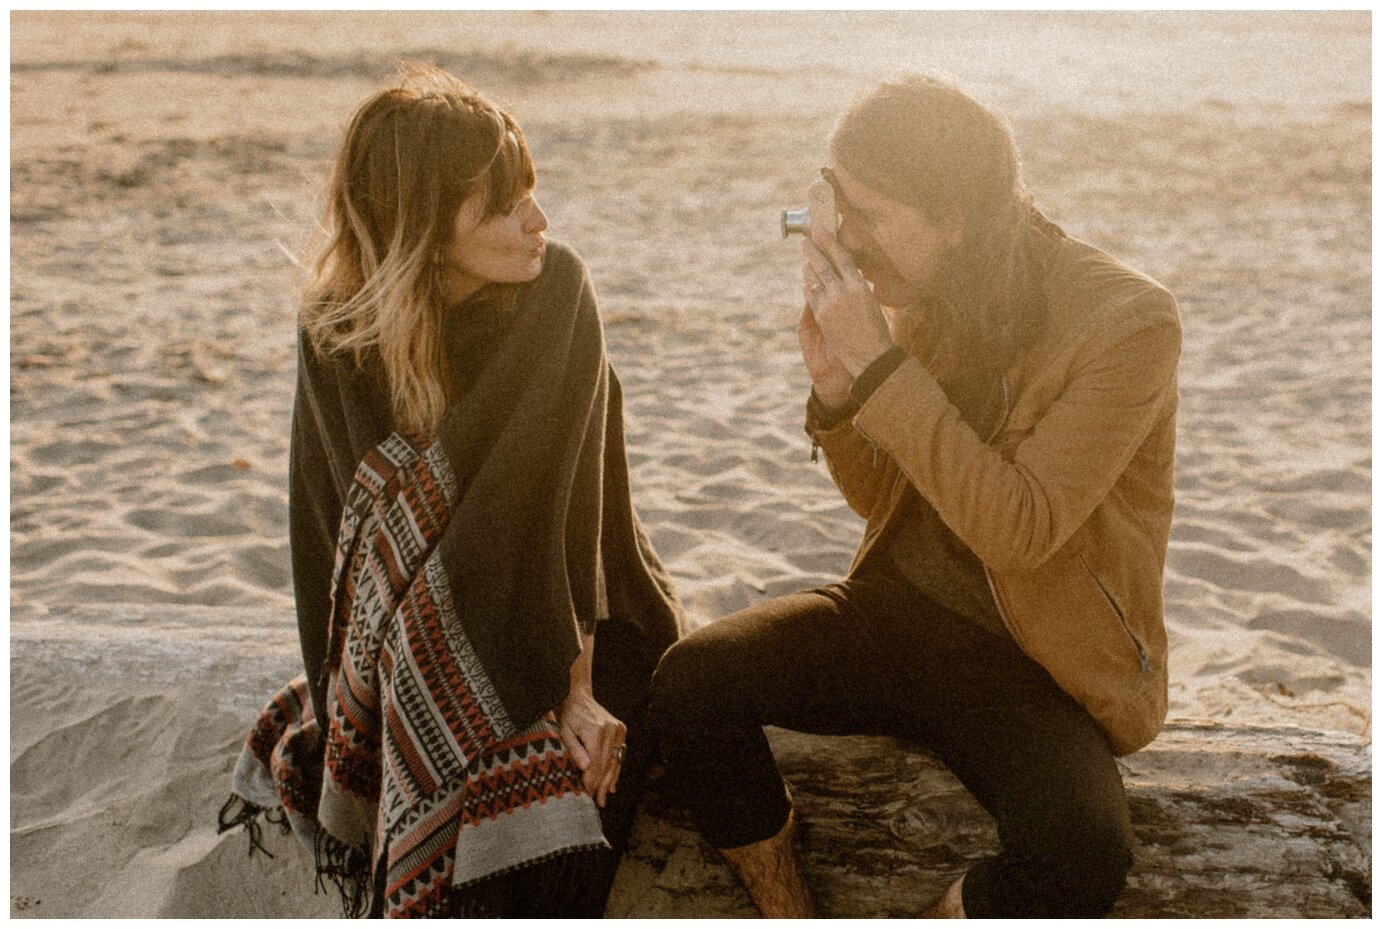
(829, 378)
(851, 321)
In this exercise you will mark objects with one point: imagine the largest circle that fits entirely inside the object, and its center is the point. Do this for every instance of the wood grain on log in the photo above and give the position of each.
(1231, 821)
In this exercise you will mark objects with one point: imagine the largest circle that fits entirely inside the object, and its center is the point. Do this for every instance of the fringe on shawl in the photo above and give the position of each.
(563, 883)
(279, 752)
(556, 884)
(343, 866)
(237, 811)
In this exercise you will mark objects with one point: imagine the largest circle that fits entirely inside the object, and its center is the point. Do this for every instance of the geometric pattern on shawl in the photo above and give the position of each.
(415, 775)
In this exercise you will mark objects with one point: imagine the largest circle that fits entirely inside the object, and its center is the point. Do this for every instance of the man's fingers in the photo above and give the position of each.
(813, 282)
(818, 261)
(842, 269)
(833, 252)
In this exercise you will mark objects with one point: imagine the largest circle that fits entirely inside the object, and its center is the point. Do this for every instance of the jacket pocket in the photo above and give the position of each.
(1142, 661)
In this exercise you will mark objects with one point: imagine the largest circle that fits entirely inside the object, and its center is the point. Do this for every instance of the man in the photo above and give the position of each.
(998, 401)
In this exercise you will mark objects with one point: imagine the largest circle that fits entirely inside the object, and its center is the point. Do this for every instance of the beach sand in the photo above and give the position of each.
(166, 168)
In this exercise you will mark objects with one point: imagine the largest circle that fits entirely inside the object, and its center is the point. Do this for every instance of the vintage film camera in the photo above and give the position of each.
(820, 214)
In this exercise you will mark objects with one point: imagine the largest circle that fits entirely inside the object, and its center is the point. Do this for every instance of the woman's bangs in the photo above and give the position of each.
(511, 176)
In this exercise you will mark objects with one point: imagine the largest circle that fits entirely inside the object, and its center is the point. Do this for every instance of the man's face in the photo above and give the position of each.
(898, 250)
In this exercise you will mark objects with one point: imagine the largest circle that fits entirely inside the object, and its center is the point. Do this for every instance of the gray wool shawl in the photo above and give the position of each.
(543, 538)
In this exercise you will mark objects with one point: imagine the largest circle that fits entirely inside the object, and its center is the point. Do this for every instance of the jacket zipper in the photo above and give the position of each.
(993, 592)
(1122, 620)
(993, 588)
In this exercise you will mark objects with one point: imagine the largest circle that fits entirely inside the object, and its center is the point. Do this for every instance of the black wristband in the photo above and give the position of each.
(826, 418)
(872, 377)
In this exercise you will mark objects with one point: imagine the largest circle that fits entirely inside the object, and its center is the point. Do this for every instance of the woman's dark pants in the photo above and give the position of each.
(872, 656)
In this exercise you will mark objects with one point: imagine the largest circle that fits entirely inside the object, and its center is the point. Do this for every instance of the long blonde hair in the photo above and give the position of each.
(411, 156)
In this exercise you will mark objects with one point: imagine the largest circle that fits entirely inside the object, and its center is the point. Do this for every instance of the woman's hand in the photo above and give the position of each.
(594, 739)
(592, 736)
(853, 329)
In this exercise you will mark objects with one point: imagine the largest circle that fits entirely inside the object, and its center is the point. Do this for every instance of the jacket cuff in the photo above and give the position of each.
(872, 377)
(820, 418)
(911, 396)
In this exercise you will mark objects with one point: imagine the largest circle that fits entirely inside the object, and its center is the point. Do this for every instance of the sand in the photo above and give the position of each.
(167, 168)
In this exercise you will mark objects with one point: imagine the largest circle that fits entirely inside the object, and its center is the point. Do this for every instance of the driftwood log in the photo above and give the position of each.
(1232, 821)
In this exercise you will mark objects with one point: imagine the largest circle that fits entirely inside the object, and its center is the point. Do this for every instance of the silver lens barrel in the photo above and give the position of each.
(796, 221)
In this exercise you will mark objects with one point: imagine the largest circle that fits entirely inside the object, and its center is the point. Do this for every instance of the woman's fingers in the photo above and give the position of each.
(604, 772)
(599, 758)
(594, 739)
(603, 740)
(611, 782)
(571, 741)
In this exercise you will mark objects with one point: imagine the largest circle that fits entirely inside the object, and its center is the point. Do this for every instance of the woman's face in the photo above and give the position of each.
(503, 249)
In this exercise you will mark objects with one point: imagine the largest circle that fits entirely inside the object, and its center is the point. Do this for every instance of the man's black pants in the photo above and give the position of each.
(872, 656)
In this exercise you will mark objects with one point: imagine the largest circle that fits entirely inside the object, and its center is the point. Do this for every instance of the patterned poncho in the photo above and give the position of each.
(440, 621)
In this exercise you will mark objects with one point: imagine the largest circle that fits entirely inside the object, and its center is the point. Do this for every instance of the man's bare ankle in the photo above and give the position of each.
(951, 903)
(771, 872)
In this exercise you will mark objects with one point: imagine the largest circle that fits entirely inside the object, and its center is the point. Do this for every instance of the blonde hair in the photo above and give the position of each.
(411, 156)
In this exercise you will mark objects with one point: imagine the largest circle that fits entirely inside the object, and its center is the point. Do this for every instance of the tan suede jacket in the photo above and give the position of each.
(1068, 505)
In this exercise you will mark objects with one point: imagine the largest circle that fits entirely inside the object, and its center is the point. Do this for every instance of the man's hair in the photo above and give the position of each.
(411, 156)
(919, 139)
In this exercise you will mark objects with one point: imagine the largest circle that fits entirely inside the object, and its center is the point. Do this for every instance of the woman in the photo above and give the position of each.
(479, 608)
(1007, 428)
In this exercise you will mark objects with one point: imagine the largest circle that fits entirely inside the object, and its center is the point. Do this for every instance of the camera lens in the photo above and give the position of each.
(796, 221)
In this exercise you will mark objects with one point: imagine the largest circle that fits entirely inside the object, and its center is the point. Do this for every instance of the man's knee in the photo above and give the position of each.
(1098, 875)
(1088, 870)
(686, 682)
(1072, 864)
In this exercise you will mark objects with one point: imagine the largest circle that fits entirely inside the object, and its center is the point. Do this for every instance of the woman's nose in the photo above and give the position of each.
(537, 220)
